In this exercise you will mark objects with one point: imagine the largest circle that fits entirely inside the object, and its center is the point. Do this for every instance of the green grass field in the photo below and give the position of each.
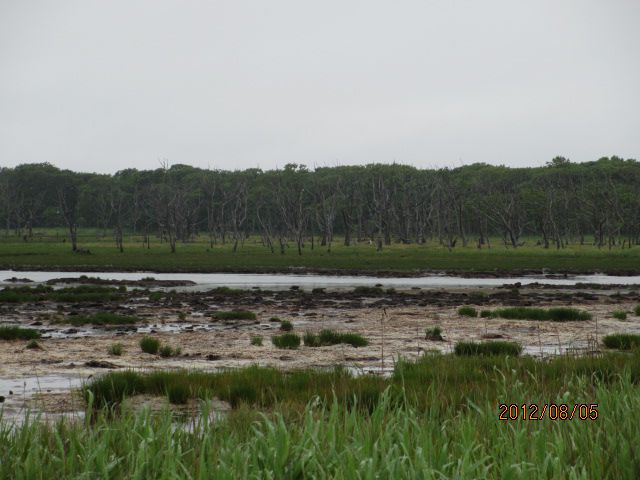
(50, 252)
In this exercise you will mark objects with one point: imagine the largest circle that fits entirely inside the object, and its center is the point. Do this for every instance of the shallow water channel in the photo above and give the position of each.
(206, 281)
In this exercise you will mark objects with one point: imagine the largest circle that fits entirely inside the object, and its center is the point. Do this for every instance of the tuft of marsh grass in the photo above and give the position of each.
(286, 340)
(256, 341)
(286, 326)
(328, 337)
(150, 345)
(555, 314)
(619, 315)
(82, 293)
(18, 333)
(622, 341)
(637, 310)
(235, 315)
(178, 394)
(467, 312)
(102, 318)
(364, 290)
(33, 345)
(488, 348)
(167, 351)
(116, 349)
(486, 313)
(433, 334)
(226, 291)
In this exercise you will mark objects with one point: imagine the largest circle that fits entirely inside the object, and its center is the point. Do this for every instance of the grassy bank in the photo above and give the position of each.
(454, 431)
(456, 380)
(199, 256)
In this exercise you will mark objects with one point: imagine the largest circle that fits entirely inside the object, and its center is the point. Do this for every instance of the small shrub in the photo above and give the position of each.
(434, 334)
(166, 351)
(619, 315)
(235, 315)
(182, 316)
(621, 341)
(150, 345)
(33, 345)
(256, 341)
(286, 340)
(467, 312)
(486, 314)
(488, 348)
(637, 311)
(275, 319)
(178, 393)
(286, 326)
(116, 349)
(18, 333)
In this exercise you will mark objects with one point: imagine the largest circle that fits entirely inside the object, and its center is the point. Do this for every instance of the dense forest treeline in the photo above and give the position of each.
(596, 202)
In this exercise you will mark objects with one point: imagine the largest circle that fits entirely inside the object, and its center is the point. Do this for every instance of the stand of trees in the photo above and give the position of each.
(596, 202)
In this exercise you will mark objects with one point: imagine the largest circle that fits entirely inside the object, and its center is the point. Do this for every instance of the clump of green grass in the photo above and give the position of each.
(467, 312)
(363, 290)
(621, 341)
(235, 315)
(310, 340)
(555, 314)
(619, 315)
(116, 349)
(150, 345)
(434, 334)
(182, 316)
(286, 326)
(275, 319)
(33, 345)
(488, 348)
(486, 313)
(167, 351)
(102, 318)
(82, 293)
(156, 296)
(178, 394)
(329, 337)
(286, 340)
(18, 333)
(637, 311)
(256, 341)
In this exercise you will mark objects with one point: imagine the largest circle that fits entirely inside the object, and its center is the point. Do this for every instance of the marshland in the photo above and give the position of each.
(134, 345)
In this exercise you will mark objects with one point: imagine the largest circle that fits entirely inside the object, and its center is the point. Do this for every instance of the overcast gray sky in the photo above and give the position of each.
(102, 85)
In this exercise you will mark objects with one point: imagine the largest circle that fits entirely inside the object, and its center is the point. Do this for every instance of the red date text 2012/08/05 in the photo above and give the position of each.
(552, 411)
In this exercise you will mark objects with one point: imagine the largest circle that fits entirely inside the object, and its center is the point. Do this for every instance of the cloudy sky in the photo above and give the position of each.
(99, 85)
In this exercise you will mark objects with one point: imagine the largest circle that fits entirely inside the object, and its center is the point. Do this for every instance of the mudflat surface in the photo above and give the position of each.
(393, 322)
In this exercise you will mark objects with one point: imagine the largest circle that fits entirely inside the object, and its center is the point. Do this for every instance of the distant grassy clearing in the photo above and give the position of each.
(252, 256)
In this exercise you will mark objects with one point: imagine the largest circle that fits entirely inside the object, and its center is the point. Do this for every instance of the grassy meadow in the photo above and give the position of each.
(48, 250)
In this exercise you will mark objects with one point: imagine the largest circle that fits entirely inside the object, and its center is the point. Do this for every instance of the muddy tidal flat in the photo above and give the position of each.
(393, 321)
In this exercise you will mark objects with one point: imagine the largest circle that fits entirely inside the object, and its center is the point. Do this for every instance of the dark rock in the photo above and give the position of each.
(212, 357)
(1, 399)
